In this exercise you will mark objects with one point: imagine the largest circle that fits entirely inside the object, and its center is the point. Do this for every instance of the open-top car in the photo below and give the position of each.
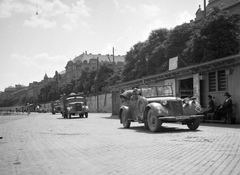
(154, 105)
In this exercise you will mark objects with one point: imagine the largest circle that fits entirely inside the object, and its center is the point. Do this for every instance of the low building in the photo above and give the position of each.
(210, 78)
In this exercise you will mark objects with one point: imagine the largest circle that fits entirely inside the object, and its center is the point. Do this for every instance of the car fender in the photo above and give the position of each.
(126, 110)
(192, 108)
(158, 109)
(141, 106)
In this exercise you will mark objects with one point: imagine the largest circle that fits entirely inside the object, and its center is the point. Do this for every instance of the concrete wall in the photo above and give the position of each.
(105, 103)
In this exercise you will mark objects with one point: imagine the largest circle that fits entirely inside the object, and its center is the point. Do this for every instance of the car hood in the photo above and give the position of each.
(156, 99)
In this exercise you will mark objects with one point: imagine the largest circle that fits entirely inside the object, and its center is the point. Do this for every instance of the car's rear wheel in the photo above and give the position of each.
(194, 124)
(126, 123)
(154, 123)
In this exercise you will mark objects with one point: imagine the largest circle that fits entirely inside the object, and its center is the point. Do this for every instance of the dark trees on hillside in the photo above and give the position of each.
(216, 37)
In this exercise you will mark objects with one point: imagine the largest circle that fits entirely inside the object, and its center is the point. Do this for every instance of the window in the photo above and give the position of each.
(222, 84)
(217, 81)
(212, 81)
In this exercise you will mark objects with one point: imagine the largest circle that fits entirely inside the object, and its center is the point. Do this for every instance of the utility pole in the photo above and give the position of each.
(205, 9)
(113, 60)
(97, 86)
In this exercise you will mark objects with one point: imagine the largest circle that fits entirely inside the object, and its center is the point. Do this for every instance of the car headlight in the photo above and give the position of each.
(186, 100)
(164, 102)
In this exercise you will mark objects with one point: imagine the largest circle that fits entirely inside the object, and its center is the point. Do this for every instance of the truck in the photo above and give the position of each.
(73, 105)
(56, 107)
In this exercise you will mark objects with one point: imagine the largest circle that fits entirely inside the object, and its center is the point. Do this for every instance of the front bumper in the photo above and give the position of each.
(180, 118)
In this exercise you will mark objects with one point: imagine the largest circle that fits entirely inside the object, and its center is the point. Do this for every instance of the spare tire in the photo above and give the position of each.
(141, 105)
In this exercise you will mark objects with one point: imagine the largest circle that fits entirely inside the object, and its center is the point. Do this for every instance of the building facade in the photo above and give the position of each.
(9, 90)
(89, 62)
(225, 5)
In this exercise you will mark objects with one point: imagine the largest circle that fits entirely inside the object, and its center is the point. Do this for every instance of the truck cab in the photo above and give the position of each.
(74, 104)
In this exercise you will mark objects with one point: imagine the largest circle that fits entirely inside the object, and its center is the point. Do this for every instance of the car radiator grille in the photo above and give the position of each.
(176, 107)
(78, 107)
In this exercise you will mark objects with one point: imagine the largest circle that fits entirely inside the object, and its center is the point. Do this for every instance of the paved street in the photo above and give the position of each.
(49, 144)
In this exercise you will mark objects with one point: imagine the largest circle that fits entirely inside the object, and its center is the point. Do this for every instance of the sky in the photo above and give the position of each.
(39, 37)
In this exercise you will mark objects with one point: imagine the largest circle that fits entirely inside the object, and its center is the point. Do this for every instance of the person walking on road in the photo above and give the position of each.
(28, 108)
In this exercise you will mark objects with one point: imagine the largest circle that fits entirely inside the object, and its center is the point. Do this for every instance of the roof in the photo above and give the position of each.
(197, 68)
(82, 57)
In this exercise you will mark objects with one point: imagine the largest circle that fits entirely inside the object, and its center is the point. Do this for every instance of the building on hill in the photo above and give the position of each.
(20, 93)
(230, 5)
(88, 62)
(34, 88)
(9, 90)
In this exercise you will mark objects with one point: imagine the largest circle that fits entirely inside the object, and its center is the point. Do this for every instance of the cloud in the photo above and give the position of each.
(116, 4)
(107, 49)
(184, 17)
(49, 13)
(156, 24)
(74, 16)
(10, 7)
(149, 11)
(35, 22)
(130, 8)
(41, 61)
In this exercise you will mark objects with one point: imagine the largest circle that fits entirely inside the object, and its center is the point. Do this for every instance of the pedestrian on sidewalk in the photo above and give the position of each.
(225, 108)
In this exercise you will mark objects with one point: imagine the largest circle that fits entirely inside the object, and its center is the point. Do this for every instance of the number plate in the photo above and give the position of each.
(182, 117)
(198, 109)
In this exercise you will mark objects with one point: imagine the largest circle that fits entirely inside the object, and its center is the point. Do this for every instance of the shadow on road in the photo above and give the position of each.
(110, 118)
(73, 118)
(233, 126)
(163, 130)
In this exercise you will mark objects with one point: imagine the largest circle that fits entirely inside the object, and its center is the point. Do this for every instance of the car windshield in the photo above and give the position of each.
(157, 91)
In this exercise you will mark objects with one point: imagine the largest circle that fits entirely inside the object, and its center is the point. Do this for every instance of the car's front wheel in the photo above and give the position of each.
(194, 124)
(126, 123)
(154, 123)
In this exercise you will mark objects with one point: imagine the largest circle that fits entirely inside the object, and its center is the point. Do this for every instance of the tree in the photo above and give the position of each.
(217, 37)
(156, 49)
(177, 39)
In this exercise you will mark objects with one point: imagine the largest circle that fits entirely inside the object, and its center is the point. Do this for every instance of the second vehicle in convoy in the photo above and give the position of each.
(74, 104)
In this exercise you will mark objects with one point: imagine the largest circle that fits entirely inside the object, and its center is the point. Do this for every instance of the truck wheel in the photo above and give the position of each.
(194, 124)
(126, 123)
(86, 114)
(154, 123)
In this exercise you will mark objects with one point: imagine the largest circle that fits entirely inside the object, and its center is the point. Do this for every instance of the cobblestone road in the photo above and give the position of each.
(49, 144)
